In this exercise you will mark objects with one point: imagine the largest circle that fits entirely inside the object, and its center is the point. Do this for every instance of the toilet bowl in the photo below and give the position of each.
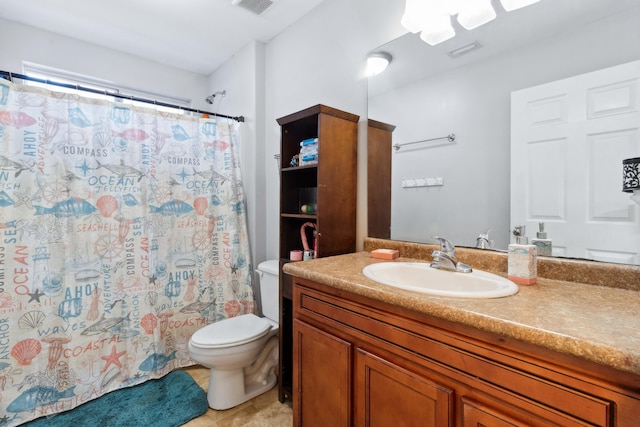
(241, 352)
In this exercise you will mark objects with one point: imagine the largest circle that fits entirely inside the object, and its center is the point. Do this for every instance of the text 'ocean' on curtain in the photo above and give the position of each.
(123, 232)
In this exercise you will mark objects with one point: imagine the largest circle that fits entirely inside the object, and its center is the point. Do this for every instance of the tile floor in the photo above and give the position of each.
(262, 411)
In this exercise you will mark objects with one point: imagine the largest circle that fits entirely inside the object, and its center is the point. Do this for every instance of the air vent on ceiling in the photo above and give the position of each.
(464, 49)
(256, 6)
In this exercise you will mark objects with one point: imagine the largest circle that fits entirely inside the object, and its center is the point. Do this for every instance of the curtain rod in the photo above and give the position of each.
(10, 76)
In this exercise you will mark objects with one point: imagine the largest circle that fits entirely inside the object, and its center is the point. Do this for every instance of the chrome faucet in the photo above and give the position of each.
(483, 242)
(445, 258)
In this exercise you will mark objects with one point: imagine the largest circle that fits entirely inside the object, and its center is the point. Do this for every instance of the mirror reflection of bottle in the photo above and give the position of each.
(541, 242)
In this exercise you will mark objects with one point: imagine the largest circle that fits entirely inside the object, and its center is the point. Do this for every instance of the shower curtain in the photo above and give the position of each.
(123, 232)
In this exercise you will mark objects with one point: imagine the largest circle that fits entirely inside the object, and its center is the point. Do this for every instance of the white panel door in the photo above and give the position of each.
(568, 140)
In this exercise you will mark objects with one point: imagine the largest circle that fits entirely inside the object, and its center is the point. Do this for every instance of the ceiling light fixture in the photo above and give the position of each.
(377, 62)
(432, 18)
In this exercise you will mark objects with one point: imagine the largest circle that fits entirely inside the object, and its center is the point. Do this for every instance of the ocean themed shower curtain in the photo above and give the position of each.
(123, 231)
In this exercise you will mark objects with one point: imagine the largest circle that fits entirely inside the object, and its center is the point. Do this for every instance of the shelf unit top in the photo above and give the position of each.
(379, 125)
(317, 109)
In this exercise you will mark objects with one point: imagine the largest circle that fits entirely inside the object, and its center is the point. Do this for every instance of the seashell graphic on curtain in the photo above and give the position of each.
(123, 232)
(24, 351)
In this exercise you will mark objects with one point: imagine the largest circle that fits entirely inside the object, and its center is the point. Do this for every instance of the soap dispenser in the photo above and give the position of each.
(543, 245)
(522, 265)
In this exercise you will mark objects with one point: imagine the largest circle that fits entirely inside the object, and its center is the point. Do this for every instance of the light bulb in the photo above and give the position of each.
(476, 13)
(437, 29)
(414, 13)
(377, 62)
(510, 5)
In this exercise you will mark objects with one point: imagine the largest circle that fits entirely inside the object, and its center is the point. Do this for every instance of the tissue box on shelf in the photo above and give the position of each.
(308, 152)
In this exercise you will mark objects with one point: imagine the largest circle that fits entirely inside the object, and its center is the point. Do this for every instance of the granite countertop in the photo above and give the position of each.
(596, 323)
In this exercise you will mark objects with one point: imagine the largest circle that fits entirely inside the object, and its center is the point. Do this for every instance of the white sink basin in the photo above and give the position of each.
(421, 277)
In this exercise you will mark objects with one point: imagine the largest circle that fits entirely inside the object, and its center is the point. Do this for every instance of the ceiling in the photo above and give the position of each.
(194, 35)
(414, 59)
(203, 34)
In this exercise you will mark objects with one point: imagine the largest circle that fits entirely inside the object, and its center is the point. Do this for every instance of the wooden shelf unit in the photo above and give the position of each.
(379, 142)
(333, 179)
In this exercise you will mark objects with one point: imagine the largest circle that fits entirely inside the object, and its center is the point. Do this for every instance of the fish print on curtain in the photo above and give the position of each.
(123, 232)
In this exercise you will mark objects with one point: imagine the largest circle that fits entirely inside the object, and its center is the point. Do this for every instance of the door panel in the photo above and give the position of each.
(322, 369)
(389, 395)
(568, 140)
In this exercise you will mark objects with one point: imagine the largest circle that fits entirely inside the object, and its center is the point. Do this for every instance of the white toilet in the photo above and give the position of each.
(241, 351)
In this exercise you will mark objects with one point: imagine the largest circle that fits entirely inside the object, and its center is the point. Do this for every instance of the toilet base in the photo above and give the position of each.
(227, 388)
(231, 387)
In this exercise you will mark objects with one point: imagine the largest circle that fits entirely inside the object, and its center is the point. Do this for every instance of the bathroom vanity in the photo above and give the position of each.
(557, 353)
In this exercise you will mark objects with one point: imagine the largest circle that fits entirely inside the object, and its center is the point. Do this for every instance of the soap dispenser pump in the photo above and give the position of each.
(542, 243)
(522, 265)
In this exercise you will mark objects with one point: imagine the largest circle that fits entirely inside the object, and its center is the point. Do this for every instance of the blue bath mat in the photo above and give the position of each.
(166, 402)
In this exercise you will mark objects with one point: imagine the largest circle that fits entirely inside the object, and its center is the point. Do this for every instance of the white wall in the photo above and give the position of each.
(25, 43)
(242, 77)
(303, 66)
(474, 103)
(318, 60)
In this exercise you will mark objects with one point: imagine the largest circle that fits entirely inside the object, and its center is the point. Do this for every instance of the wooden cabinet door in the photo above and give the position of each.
(321, 378)
(473, 417)
(475, 414)
(388, 395)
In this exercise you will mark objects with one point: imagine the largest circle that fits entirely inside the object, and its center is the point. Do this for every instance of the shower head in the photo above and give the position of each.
(209, 99)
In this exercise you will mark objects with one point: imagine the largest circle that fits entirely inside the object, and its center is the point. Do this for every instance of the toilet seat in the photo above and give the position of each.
(231, 332)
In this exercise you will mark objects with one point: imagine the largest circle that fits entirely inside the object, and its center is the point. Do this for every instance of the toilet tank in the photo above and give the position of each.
(269, 290)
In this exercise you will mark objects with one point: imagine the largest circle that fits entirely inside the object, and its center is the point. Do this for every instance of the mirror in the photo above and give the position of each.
(459, 189)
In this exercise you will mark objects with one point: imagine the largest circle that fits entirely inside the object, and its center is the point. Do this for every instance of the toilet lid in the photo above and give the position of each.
(232, 331)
